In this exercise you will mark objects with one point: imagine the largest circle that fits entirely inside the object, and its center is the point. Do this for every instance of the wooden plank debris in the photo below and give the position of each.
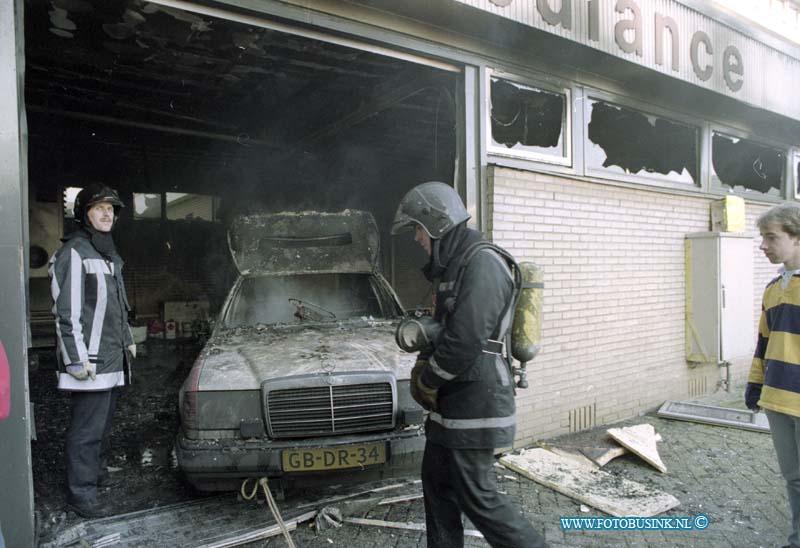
(401, 498)
(108, 540)
(640, 439)
(408, 525)
(356, 493)
(609, 493)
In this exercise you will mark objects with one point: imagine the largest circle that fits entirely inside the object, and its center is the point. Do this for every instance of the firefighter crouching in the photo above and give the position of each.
(463, 379)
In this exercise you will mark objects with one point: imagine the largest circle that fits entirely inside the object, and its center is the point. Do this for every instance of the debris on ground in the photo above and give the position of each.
(401, 498)
(261, 533)
(355, 493)
(578, 458)
(641, 440)
(607, 492)
(328, 517)
(403, 525)
(604, 452)
(718, 416)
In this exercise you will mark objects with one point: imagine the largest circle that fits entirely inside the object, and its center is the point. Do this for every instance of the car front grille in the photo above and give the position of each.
(341, 408)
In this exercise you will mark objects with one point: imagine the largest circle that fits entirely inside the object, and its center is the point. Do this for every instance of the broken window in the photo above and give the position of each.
(146, 206)
(796, 165)
(69, 201)
(635, 143)
(527, 120)
(744, 165)
(182, 206)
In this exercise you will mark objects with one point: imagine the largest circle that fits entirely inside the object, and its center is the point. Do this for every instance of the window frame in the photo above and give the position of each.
(561, 88)
(646, 109)
(714, 184)
(215, 203)
(216, 200)
(793, 180)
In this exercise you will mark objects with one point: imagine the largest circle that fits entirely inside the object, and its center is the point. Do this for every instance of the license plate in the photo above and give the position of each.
(333, 458)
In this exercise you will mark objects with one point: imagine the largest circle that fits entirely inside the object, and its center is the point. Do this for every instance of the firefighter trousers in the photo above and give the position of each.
(457, 481)
(88, 442)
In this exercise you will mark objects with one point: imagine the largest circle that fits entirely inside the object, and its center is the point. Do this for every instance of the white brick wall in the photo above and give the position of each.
(614, 294)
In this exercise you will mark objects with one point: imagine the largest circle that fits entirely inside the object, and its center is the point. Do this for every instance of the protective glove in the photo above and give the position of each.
(752, 393)
(82, 371)
(132, 350)
(421, 392)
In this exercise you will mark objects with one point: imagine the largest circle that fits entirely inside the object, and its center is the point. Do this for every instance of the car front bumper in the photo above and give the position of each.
(221, 464)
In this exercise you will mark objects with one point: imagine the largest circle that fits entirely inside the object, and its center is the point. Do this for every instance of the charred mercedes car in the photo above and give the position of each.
(301, 380)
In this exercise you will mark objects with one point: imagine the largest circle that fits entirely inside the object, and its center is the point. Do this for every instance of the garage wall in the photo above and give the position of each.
(174, 261)
(613, 257)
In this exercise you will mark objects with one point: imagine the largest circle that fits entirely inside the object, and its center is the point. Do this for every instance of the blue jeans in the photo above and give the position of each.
(785, 431)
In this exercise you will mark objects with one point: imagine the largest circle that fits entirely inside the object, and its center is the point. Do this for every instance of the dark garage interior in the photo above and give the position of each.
(195, 119)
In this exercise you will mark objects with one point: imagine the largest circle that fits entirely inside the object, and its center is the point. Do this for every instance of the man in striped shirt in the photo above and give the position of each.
(95, 345)
(774, 381)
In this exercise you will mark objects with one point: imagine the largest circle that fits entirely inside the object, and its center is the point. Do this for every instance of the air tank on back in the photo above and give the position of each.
(526, 333)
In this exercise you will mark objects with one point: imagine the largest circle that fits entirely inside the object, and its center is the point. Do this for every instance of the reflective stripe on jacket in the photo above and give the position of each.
(91, 313)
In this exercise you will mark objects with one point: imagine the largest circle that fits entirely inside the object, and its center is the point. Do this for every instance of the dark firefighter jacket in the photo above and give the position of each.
(91, 313)
(476, 408)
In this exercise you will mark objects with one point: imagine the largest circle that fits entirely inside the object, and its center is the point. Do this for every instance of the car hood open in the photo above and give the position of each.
(304, 242)
(242, 358)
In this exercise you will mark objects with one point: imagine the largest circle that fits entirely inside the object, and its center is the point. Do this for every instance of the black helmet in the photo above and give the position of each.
(92, 194)
(434, 206)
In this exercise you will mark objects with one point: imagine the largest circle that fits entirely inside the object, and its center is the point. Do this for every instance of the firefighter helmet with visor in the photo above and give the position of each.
(435, 206)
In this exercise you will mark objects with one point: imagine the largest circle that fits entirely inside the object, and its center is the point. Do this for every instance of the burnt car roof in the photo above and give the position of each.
(304, 242)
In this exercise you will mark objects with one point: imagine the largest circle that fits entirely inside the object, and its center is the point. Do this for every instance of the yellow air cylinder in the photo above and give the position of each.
(526, 333)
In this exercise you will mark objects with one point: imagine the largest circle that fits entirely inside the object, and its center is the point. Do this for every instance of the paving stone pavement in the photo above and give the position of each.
(730, 475)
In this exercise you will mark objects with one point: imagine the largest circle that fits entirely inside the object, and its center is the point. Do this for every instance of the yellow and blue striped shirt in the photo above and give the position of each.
(776, 363)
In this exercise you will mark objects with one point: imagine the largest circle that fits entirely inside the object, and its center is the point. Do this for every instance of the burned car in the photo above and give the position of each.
(301, 380)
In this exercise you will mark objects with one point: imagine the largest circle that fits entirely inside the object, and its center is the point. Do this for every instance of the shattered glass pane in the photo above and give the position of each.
(744, 165)
(527, 119)
(146, 206)
(631, 142)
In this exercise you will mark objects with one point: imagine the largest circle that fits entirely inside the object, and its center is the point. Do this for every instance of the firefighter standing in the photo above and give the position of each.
(465, 382)
(95, 344)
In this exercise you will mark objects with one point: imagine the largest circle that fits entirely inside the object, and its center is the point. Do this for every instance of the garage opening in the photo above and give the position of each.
(196, 118)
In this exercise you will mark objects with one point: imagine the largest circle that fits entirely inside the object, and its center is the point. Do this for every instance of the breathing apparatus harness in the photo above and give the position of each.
(500, 341)
(518, 332)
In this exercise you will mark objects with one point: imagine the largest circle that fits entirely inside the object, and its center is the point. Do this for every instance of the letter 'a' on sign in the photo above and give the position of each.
(635, 24)
(5, 384)
(562, 17)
